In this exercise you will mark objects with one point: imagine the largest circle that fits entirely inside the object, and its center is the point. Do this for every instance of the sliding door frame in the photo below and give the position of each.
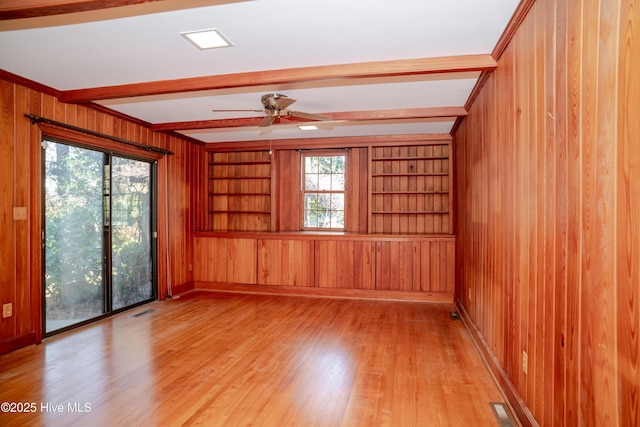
(109, 152)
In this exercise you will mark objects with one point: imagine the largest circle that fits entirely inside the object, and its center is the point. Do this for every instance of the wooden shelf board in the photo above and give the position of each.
(257, 162)
(411, 174)
(239, 177)
(409, 193)
(242, 212)
(383, 159)
(239, 194)
(409, 212)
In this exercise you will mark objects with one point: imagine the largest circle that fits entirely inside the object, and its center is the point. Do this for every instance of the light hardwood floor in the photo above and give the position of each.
(220, 359)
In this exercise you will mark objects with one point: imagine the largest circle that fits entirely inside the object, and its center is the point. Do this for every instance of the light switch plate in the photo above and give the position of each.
(7, 310)
(19, 213)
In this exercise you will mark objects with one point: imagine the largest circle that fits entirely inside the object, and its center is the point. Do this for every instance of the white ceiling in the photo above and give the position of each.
(83, 51)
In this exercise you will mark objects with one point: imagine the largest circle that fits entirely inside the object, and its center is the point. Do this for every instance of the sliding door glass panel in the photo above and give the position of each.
(132, 274)
(73, 271)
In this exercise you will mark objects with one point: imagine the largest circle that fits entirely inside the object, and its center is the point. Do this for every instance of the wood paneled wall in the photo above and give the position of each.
(407, 267)
(20, 186)
(548, 202)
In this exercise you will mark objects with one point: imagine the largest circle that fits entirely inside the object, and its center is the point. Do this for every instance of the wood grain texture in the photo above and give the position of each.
(285, 262)
(545, 172)
(340, 262)
(628, 205)
(345, 264)
(11, 9)
(8, 290)
(232, 359)
(226, 260)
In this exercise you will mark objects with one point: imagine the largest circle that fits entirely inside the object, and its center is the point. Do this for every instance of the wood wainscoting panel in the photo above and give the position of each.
(225, 260)
(285, 262)
(394, 266)
(345, 264)
(358, 266)
(434, 266)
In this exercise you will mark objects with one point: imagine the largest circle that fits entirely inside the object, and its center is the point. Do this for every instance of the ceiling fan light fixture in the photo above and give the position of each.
(307, 127)
(207, 39)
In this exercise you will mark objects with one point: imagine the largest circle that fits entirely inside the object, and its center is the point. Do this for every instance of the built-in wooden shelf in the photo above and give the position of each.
(409, 189)
(239, 191)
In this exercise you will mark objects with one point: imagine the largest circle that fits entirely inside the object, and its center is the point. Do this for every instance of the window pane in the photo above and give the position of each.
(324, 182)
(311, 181)
(324, 165)
(310, 219)
(337, 182)
(337, 202)
(311, 164)
(337, 165)
(337, 219)
(324, 176)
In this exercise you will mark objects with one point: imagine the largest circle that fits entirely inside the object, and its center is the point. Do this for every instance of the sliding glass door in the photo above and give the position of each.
(132, 278)
(97, 239)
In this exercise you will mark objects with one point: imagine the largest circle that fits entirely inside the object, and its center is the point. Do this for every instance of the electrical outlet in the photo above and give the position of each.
(7, 310)
(525, 362)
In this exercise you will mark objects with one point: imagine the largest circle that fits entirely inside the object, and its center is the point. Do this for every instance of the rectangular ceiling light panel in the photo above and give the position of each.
(207, 39)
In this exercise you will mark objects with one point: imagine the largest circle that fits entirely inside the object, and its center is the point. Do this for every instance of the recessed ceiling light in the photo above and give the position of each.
(308, 127)
(207, 39)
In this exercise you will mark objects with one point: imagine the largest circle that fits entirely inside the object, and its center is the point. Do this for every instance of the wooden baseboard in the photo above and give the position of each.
(18, 342)
(326, 292)
(181, 289)
(518, 406)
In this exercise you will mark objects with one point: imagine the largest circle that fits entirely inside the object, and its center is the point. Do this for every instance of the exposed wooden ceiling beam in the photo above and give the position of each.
(353, 116)
(77, 11)
(331, 142)
(338, 73)
(17, 9)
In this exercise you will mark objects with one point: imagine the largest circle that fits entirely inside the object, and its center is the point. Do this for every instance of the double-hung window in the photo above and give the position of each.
(324, 191)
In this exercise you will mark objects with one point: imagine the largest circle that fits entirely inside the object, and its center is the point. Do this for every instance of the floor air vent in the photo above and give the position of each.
(142, 313)
(454, 315)
(503, 415)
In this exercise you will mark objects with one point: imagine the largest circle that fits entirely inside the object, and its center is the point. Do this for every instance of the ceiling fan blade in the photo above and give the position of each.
(283, 102)
(229, 111)
(307, 116)
(267, 121)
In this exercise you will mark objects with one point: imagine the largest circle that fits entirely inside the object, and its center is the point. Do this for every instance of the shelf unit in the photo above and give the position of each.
(239, 191)
(409, 189)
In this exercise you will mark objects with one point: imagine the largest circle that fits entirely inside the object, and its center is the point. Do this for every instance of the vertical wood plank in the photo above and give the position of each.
(628, 205)
(8, 292)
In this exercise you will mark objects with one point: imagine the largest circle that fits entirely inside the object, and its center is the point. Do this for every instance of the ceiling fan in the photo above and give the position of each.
(275, 105)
